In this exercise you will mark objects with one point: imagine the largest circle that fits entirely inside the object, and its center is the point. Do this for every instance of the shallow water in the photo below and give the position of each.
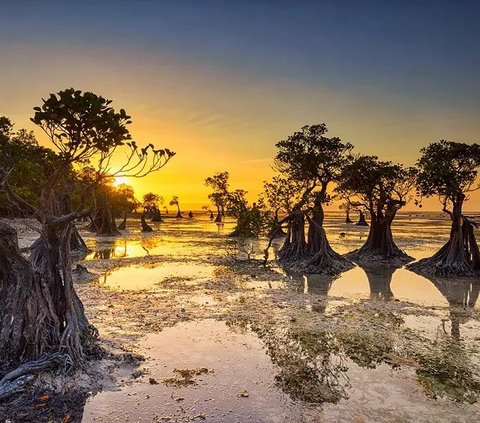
(239, 384)
(364, 317)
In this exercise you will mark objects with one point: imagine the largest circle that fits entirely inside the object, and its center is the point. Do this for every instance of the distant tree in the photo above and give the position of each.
(151, 203)
(347, 207)
(219, 182)
(41, 313)
(279, 195)
(449, 170)
(122, 200)
(382, 188)
(249, 218)
(175, 202)
(315, 162)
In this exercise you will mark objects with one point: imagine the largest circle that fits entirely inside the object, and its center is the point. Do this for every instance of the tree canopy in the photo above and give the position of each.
(449, 170)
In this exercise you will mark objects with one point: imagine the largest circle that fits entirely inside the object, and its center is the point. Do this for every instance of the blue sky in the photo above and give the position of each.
(237, 76)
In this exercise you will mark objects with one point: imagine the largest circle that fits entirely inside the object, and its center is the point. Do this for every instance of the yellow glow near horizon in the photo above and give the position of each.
(216, 120)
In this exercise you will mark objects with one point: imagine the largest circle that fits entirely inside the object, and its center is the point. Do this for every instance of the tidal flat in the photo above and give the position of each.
(206, 333)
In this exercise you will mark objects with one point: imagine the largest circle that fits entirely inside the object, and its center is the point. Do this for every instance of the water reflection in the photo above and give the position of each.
(461, 294)
(379, 280)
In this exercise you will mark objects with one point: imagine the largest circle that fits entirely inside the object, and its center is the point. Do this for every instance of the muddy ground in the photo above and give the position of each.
(195, 332)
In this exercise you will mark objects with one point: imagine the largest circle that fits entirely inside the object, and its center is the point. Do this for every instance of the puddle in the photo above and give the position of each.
(158, 276)
(235, 378)
(239, 386)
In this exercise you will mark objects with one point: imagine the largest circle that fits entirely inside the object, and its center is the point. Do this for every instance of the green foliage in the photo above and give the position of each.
(379, 186)
(29, 165)
(448, 169)
(122, 198)
(280, 194)
(311, 159)
(81, 124)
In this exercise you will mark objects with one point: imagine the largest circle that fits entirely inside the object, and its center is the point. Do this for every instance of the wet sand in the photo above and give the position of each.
(226, 340)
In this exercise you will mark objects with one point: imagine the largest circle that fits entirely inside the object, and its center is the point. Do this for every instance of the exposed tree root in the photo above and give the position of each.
(316, 256)
(380, 246)
(458, 257)
(367, 254)
(107, 225)
(156, 216)
(16, 380)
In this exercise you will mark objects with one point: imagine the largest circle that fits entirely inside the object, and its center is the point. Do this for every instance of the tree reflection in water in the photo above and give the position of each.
(313, 352)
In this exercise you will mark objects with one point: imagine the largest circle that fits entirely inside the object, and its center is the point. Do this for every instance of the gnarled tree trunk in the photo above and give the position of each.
(380, 245)
(157, 216)
(19, 305)
(322, 257)
(179, 213)
(107, 226)
(62, 315)
(460, 256)
(39, 308)
(295, 247)
(347, 217)
(361, 219)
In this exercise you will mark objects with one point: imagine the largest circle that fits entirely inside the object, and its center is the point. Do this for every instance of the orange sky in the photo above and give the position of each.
(217, 119)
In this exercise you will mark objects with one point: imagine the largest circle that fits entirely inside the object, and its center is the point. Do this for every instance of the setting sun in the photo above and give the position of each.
(119, 180)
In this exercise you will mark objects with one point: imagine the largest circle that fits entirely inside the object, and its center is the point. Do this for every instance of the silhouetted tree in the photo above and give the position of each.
(219, 197)
(361, 218)
(315, 162)
(382, 188)
(347, 207)
(449, 170)
(151, 203)
(175, 202)
(46, 315)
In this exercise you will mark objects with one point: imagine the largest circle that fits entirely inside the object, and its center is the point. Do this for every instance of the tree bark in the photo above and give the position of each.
(218, 219)
(294, 247)
(460, 255)
(361, 219)
(157, 216)
(179, 213)
(347, 217)
(40, 311)
(380, 245)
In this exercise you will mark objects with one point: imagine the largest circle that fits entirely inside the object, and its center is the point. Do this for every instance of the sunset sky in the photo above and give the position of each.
(220, 82)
